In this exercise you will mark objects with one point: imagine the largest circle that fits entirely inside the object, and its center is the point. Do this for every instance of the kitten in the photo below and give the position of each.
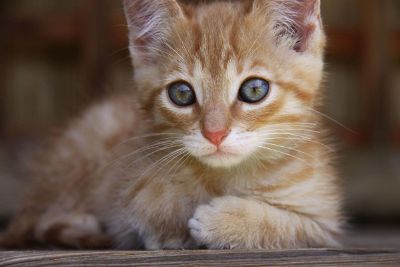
(216, 145)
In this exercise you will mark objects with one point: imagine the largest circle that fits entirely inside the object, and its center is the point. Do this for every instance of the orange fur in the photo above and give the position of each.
(136, 169)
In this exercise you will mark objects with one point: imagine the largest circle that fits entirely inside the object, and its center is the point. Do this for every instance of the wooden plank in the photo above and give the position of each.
(306, 257)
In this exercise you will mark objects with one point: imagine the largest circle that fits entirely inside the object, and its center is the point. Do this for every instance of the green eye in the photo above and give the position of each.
(254, 90)
(182, 94)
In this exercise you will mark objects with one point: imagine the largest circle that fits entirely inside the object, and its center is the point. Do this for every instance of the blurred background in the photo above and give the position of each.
(56, 57)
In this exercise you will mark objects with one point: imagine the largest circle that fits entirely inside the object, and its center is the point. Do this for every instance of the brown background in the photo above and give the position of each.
(58, 56)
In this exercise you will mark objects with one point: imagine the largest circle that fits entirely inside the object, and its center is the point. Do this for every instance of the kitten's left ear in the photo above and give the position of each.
(149, 22)
(296, 22)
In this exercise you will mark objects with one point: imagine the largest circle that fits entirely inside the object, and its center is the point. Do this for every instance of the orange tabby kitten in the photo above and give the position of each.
(216, 145)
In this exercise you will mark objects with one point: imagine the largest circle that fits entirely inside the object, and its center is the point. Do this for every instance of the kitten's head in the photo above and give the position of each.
(236, 79)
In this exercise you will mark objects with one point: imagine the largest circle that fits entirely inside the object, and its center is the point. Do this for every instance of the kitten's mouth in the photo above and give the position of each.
(221, 159)
(221, 154)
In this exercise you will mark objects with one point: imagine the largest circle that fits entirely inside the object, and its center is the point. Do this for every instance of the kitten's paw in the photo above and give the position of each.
(224, 223)
(202, 226)
(73, 230)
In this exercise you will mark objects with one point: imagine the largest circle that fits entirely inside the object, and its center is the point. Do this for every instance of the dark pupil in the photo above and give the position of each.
(183, 94)
(256, 90)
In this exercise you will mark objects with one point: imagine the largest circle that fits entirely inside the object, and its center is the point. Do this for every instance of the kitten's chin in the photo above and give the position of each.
(222, 160)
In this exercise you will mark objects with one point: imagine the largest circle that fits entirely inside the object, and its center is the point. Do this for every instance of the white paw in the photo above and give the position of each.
(201, 227)
(215, 224)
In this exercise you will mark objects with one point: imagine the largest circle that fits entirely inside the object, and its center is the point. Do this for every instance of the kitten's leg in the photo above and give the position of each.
(232, 222)
(74, 230)
(19, 233)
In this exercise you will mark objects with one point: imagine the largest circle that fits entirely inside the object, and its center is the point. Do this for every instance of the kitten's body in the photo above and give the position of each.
(143, 174)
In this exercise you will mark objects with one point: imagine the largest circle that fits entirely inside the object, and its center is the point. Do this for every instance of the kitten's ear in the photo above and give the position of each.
(296, 22)
(148, 22)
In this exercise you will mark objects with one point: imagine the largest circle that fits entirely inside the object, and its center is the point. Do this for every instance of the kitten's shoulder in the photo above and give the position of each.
(100, 126)
(112, 116)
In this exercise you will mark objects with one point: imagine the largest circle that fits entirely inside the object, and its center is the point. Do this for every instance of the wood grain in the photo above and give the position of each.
(307, 257)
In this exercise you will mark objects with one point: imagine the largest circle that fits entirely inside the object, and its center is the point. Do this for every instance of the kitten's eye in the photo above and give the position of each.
(254, 90)
(182, 94)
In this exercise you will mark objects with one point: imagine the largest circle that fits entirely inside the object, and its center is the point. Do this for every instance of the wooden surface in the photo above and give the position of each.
(310, 257)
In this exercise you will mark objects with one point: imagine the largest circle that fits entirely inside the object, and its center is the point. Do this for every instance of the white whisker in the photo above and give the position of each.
(148, 147)
(283, 133)
(167, 158)
(183, 44)
(301, 139)
(154, 152)
(149, 135)
(174, 50)
(178, 164)
(293, 149)
(284, 153)
(333, 120)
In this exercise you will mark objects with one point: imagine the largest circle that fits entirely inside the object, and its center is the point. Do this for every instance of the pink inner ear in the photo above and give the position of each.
(310, 19)
(143, 50)
(139, 13)
(306, 20)
(304, 35)
(148, 20)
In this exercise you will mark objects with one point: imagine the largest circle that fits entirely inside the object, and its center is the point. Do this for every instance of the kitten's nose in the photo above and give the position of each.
(216, 137)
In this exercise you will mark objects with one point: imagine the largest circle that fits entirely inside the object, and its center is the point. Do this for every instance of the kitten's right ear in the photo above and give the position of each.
(295, 22)
(148, 22)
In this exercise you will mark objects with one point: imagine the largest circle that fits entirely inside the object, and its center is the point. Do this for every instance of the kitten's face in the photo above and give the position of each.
(223, 80)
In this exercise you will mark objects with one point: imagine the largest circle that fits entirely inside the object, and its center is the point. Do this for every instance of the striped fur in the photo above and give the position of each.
(136, 171)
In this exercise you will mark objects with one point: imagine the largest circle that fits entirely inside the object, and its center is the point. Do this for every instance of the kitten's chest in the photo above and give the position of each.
(178, 195)
(166, 203)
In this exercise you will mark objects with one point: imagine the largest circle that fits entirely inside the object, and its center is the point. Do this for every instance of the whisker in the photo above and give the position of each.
(153, 145)
(257, 159)
(183, 44)
(304, 125)
(310, 132)
(119, 51)
(333, 120)
(167, 158)
(250, 51)
(178, 164)
(299, 129)
(153, 152)
(297, 123)
(167, 161)
(184, 161)
(160, 52)
(162, 160)
(308, 136)
(148, 136)
(174, 50)
(293, 149)
(148, 147)
(286, 154)
(301, 139)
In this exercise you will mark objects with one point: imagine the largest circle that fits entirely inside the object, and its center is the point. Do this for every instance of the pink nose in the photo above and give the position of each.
(216, 137)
